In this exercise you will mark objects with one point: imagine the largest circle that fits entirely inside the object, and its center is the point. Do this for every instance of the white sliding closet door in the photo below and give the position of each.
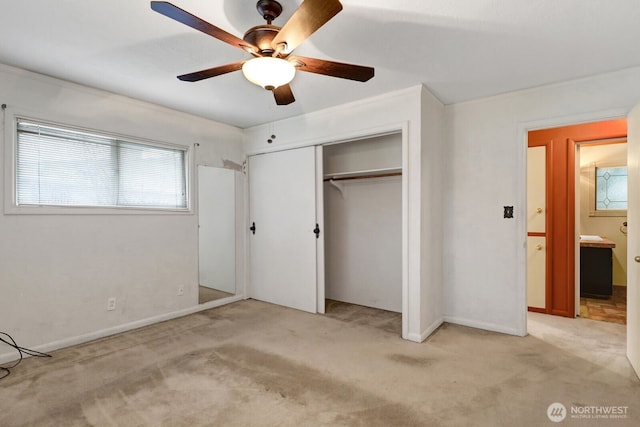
(282, 198)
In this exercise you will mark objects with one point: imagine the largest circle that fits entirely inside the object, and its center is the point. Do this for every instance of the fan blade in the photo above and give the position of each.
(334, 69)
(311, 15)
(174, 12)
(283, 95)
(211, 72)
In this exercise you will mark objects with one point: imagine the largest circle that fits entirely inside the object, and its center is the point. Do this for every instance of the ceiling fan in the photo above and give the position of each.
(272, 65)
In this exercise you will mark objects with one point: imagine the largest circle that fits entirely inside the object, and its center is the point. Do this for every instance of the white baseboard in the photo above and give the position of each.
(425, 334)
(81, 339)
(483, 325)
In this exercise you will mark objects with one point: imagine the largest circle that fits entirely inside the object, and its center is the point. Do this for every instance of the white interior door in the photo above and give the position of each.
(633, 239)
(282, 203)
(217, 228)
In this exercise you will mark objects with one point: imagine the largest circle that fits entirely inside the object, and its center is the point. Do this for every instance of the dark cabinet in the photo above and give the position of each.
(596, 272)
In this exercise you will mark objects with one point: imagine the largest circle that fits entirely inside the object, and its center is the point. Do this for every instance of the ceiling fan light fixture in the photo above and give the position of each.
(269, 72)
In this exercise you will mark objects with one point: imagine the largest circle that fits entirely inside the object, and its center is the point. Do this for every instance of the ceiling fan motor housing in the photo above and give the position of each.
(261, 37)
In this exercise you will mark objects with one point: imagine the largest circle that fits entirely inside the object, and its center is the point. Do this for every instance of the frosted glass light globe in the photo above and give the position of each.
(269, 72)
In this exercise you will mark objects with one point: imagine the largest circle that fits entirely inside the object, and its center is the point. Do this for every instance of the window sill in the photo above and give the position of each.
(90, 210)
(610, 213)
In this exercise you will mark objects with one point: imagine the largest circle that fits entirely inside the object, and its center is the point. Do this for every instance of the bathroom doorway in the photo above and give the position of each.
(601, 223)
(553, 263)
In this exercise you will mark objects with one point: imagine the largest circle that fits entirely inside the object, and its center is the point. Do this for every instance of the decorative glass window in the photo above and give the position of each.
(611, 189)
(57, 166)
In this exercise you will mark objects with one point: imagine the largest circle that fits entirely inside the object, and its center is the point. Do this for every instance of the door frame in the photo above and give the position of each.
(523, 130)
(561, 143)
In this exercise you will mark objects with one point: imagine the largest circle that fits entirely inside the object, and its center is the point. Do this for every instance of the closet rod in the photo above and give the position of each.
(379, 175)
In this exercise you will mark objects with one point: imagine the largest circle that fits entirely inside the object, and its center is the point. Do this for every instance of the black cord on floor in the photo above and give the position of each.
(21, 351)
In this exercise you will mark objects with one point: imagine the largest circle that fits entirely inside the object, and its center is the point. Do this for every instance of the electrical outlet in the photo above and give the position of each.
(180, 290)
(111, 304)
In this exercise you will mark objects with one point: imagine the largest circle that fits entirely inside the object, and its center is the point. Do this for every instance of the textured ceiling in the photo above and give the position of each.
(459, 49)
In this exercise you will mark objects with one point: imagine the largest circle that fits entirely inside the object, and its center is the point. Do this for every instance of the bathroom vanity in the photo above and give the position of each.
(596, 267)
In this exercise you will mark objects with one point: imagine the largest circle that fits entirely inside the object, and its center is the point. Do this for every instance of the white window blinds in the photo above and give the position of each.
(65, 167)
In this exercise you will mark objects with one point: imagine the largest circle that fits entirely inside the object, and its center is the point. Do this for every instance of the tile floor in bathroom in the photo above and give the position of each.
(613, 309)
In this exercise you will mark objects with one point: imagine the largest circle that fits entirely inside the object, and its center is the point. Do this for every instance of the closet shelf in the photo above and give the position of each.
(368, 173)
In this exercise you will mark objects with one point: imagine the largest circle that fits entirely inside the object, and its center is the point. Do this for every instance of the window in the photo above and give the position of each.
(607, 190)
(58, 166)
(611, 188)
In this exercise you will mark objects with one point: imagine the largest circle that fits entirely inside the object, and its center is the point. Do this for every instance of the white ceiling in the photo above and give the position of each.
(459, 49)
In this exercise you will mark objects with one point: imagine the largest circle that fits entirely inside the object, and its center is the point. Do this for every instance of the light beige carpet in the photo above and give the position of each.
(256, 364)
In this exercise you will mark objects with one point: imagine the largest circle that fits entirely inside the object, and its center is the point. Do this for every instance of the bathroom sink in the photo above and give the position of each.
(590, 238)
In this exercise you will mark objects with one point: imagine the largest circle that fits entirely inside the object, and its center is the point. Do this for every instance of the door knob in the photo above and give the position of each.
(637, 259)
(539, 248)
(539, 210)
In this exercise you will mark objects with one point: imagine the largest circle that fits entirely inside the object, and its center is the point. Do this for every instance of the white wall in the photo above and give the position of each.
(381, 152)
(394, 111)
(363, 241)
(484, 264)
(57, 271)
(605, 226)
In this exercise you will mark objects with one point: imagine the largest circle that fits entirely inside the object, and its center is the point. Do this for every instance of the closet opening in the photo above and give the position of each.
(362, 192)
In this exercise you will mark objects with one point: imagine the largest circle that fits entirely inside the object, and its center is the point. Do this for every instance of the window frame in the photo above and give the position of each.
(11, 170)
(593, 211)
